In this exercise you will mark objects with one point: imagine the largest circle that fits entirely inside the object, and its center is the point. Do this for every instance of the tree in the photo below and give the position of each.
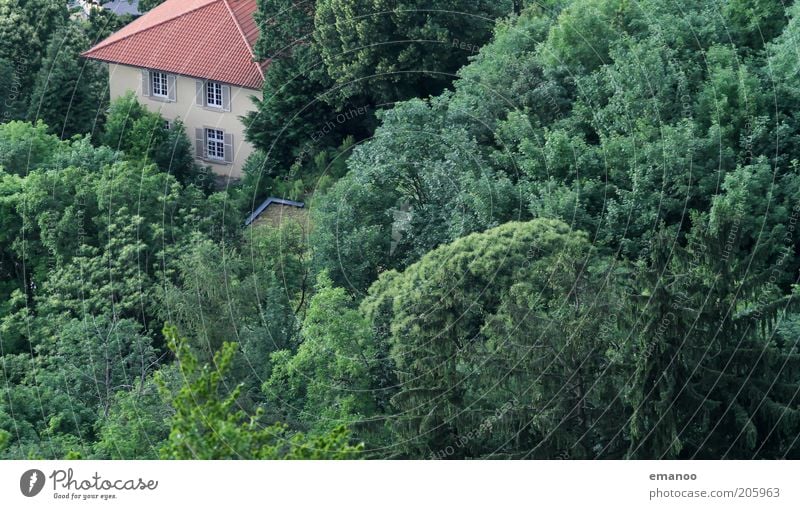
(207, 425)
(512, 329)
(394, 51)
(218, 294)
(60, 388)
(99, 357)
(25, 147)
(586, 31)
(294, 123)
(284, 25)
(585, 246)
(26, 27)
(87, 252)
(11, 270)
(85, 246)
(139, 133)
(335, 378)
(9, 84)
(755, 22)
(421, 181)
(69, 93)
(136, 425)
(104, 22)
(291, 112)
(146, 5)
(144, 137)
(710, 379)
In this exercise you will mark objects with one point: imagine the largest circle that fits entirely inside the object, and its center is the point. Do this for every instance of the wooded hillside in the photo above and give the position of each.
(536, 230)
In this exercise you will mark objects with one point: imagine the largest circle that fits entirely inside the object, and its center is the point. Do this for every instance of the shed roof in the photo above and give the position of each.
(269, 201)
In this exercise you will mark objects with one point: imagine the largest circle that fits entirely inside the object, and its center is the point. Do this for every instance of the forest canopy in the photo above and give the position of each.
(560, 229)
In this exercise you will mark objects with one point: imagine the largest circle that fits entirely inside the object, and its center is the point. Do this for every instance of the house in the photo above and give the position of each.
(276, 211)
(192, 60)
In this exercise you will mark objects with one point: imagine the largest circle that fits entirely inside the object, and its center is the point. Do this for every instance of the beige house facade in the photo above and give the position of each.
(209, 109)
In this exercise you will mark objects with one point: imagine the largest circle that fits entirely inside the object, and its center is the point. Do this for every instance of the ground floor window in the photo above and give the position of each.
(215, 144)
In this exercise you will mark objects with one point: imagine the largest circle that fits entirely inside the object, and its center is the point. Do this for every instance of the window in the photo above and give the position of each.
(215, 144)
(214, 94)
(159, 84)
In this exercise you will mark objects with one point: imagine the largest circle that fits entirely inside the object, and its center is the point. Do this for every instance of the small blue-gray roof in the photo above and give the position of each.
(269, 201)
(121, 7)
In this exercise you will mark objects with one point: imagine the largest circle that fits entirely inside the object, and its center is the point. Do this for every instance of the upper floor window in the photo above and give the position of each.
(214, 94)
(160, 84)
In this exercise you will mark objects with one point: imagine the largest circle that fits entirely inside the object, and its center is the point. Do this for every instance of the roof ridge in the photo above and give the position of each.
(244, 37)
(108, 42)
(269, 201)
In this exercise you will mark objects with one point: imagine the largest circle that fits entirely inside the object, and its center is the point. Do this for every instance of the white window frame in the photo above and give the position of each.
(215, 144)
(158, 82)
(214, 97)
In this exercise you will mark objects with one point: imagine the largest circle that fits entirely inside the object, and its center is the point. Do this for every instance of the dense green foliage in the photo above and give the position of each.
(41, 74)
(69, 93)
(562, 229)
(303, 139)
(26, 26)
(526, 354)
(146, 5)
(206, 424)
(391, 51)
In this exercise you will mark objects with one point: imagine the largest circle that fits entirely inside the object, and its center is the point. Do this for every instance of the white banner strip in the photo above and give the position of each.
(400, 484)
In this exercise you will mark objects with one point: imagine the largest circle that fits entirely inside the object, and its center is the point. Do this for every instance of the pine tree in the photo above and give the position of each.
(390, 51)
(69, 92)
(712, 379)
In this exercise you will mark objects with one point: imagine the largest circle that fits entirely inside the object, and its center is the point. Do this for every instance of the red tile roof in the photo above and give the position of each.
(210, 39)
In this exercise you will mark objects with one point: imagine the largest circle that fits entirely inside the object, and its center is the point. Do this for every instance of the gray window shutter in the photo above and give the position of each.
(171, 82)
(200, 92)
(226, 98)
(228, 148)
(145, 83)
(200, 143)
